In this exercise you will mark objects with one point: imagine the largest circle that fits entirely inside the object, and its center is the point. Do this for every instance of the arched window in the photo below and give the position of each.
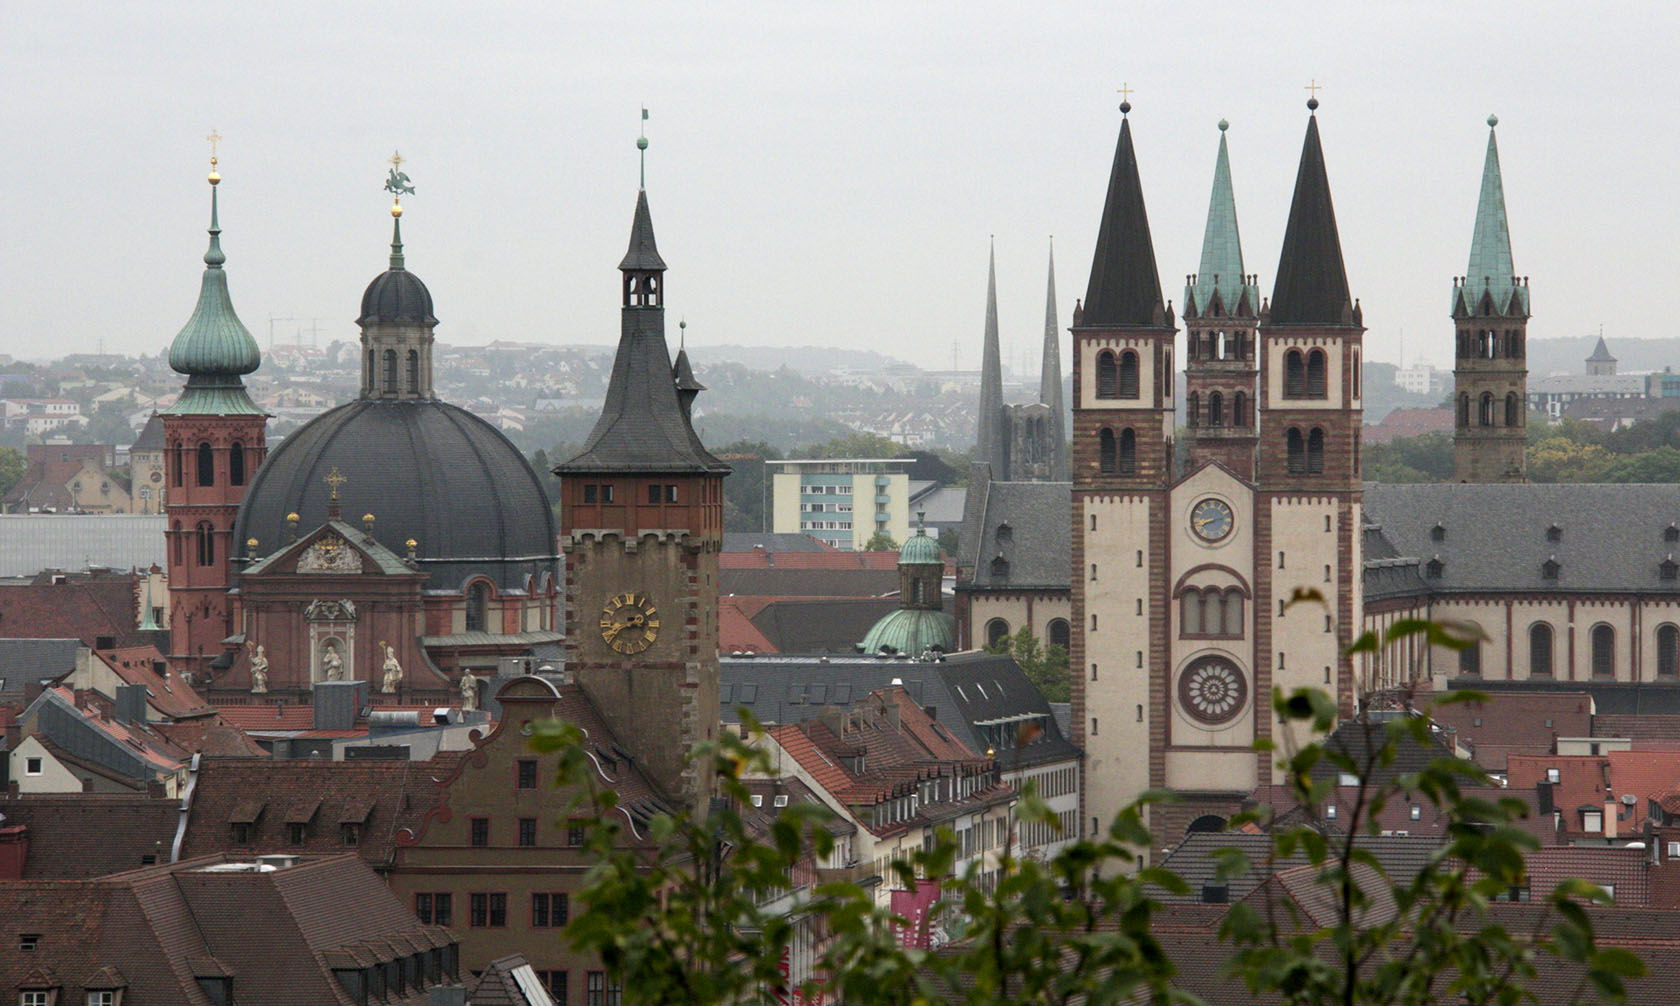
(1060, 634)
(1603, 651)
(413, 372)
(1107, 453)
(1540, 650)
(1484, 413)
(178, 539)
(1490, 346)
(1128, 374)
(1128, 452)
(1464, 409)
(1108, 375)
(1193, 409)
(1317, 363)
(1297, 452)
(1238, 350)
(206, 544)
(1233, 611)
(178, 461)
(372, 379)
(206, 465)
(1315, 452)
(391, 372)
(236, 463)
(1294, 375)
(1513, 409)
(1190, 613)
(1239, 410)
(478, 607)
(1668, 651)
(1216, 409)
(996, 630)
(1470, 659)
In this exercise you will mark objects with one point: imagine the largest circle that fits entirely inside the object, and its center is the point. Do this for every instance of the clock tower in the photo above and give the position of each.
(641, 528)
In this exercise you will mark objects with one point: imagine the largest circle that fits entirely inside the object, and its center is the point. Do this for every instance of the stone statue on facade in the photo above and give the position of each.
(259, 672)
(469, 693)
(393, 670)
(332, 664)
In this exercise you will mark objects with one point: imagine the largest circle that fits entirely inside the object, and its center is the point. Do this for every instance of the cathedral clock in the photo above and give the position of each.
(1212, 519)
(629, 622)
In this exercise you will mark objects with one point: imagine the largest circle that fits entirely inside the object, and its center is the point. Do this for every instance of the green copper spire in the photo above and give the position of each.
(1490, 273)
(1221, 272)
(214, 349)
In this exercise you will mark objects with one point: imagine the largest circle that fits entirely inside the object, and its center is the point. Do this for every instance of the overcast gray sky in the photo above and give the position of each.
(821, 174)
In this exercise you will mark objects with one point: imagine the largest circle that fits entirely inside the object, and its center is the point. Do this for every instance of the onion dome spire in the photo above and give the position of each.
(1312, 286)
(214, 349)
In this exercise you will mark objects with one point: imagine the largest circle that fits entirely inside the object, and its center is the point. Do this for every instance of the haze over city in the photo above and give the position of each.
(821, 177)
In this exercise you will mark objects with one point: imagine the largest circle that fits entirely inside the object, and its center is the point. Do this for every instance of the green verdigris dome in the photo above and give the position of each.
(214, 349)
(919, 548)
(913, 631)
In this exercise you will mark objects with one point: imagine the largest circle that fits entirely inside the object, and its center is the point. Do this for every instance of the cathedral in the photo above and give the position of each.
(1212, 552)
(1022, 443)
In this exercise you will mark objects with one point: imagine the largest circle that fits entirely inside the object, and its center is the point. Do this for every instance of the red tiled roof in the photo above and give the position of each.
(761, 559)
(1408, 423)
(73, 835)
(736, 632)
(84, 608)
(169, 695)
(1510, 723)
(270, 716)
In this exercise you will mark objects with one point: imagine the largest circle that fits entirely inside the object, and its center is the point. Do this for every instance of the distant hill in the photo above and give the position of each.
(1568, 356)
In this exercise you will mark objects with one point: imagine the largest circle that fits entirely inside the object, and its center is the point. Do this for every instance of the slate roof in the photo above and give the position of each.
(808, 582)
(775, 544)
(35, 660)
(30, 543)
(1601, 352)
(150, 438)
(1516, 723)
(979, 696)
(1037, 549)
(1312, 285)
(827, 625)
(1125, 286)
(642, 428)
(1610, 698)
(395, 795)
(426, 470)
(397, 296)
(507, 981)
(75, 835)
(1621, 552)
(1195, 860)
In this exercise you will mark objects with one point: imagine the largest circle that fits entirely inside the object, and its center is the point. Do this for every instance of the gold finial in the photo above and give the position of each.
(214, 138)
(412, 544)
(334, 479)
(1125, 94)
(293, 518)
(251, 543)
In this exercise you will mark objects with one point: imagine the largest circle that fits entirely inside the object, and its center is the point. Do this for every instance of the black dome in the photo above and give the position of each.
(397, 296)
(426, 470)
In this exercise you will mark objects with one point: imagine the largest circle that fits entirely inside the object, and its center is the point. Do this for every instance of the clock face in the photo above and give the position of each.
(1213, 690)
(629, 622)
(1212, 519)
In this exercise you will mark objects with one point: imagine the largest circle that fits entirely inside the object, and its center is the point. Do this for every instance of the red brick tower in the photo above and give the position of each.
(214, 442)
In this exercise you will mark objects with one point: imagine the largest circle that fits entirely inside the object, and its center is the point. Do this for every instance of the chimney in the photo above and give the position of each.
(447, 995)
(14, 850)
(131, 704)
(337, 703)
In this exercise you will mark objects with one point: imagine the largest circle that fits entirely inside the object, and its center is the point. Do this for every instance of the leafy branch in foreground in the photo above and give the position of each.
(704, 911)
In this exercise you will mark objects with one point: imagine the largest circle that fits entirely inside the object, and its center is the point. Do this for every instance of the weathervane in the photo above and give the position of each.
(396, 183)
(641, 145)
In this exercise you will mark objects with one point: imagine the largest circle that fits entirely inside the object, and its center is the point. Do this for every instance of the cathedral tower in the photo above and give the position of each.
(214, 442)
(1121, 471)
(1308, 533)
(642, 526)
(1221, 310)
(1490, 366)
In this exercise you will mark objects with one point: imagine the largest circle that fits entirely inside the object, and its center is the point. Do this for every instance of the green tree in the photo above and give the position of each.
(881, 542)
(746, 490)
(704, 918)
(1661, 464)
(857, 445)
(1562, 459)
(13, 464)
(1045, 664)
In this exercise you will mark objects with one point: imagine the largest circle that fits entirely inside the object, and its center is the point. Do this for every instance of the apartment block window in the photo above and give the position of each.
(435, 908)
(550, 909)
(1592, 821)
(556, 983)
(527, 831)
(574, 832)
(480, 832)
(527, 773)
(488, 910)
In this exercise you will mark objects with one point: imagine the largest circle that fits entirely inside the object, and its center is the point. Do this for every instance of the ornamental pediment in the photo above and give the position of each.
(330, 611)
(330, 553)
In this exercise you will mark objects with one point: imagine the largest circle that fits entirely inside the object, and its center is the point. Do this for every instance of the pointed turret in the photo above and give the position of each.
(1125, 287)
(1491, 287)
(1222, 286)
(1050, 377)
(682, 372)
(214, 349)
(643, 426)
(1312, 286)
(989, 440)
(1601, 363)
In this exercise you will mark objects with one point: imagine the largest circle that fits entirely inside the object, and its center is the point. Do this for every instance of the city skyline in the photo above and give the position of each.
(850, 171)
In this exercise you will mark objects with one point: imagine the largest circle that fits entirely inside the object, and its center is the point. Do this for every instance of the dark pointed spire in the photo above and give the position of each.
(1125, 287)
(1050, 374)
(688, 388)
(1312, 286)
(989, 440)
(643, 255)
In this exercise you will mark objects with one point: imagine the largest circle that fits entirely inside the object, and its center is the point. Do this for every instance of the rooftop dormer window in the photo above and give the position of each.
(1554, 533)
(1438, 533)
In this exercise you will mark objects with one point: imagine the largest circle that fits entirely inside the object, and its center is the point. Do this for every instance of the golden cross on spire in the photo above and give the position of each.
(334, 479)
(214, 139)
(1125, 93)
(396, 159)
(1314, 87)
